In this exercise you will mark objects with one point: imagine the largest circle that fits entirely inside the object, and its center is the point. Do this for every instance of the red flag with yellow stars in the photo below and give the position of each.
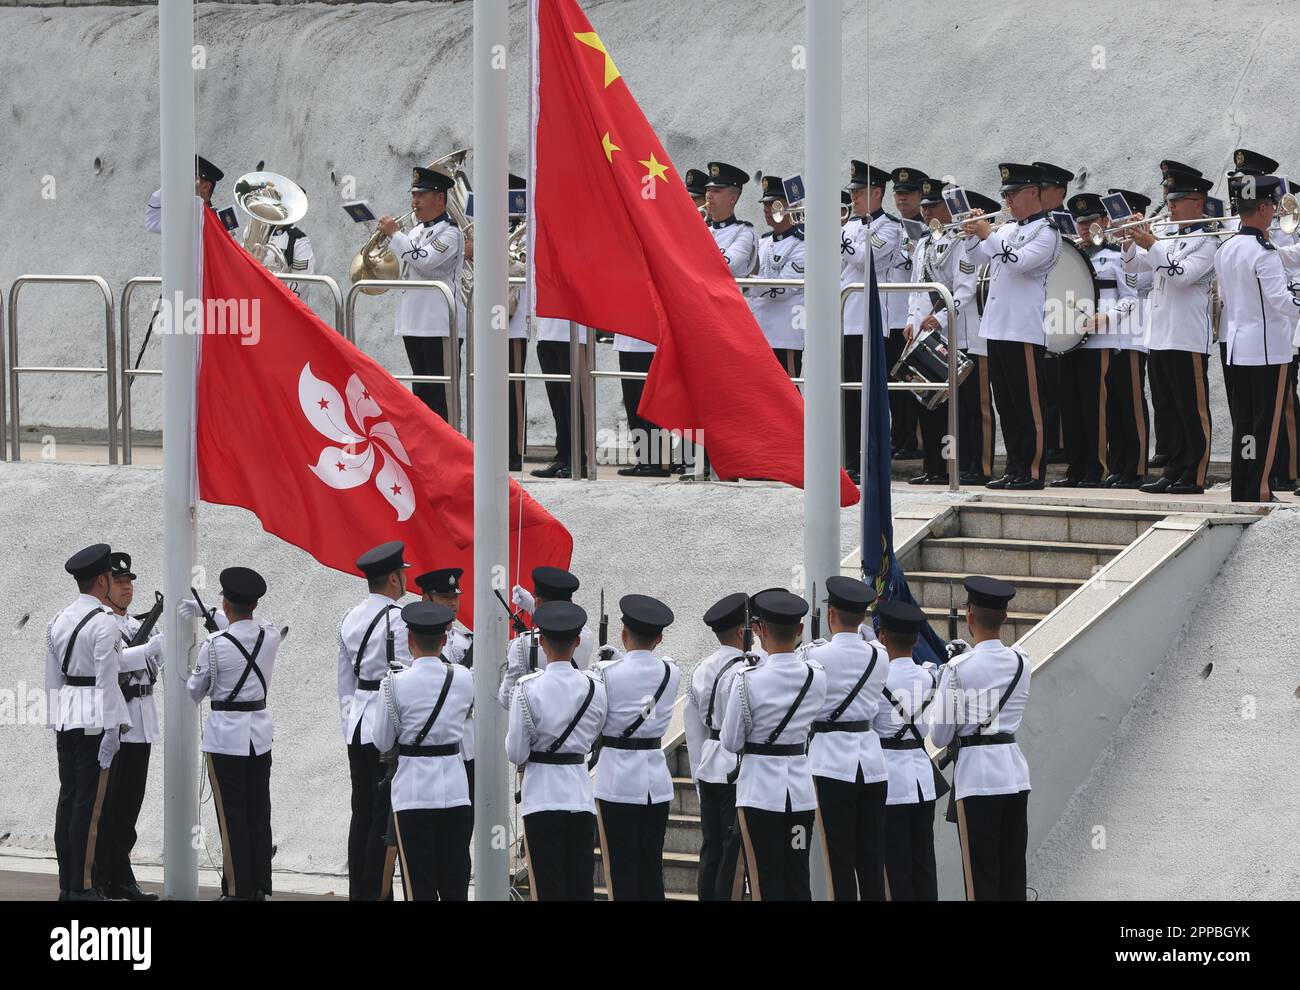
(617, 244)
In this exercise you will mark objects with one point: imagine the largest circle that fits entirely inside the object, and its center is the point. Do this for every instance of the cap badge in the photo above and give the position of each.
(715, 170)
(902, 174)
(1006, 174)
(1241, 158)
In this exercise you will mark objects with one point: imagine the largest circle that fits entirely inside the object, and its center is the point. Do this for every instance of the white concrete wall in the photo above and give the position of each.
(323, 91)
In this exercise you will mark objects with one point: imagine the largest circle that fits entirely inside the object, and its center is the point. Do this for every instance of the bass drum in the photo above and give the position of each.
(1072, 295)
(982, 279)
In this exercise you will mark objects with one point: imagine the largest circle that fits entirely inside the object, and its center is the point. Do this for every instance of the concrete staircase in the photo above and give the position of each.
(1047, 551)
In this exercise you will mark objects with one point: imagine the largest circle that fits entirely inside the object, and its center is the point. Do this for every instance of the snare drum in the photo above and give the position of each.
(1072, 295)
(926, 362)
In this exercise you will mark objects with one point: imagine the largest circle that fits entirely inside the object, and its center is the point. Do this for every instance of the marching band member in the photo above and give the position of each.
(424, 713)
(1260, 321)
(735, 238)
(517, 355)
(524, 656)
(554, 354)
(138, 672)
(372, 641)
(433, 251)
(1291, 259)
(443, 587)
(83, 650)
(1020, 255)
(234, 669)
(903, 408)
(778, 311)
(697, 184)
(908, 692)
(1181, 336)
(711, 765)
(633, 786)
(868, 228)
(979, 419)
(1054, 189)
(1128, 448)
(943, 260)
(848, 769)
(980, 705)
(555, 716)
(768, 717)
(206, 177)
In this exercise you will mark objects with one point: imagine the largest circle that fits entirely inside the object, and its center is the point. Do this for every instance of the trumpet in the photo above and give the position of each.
(940, 230)
(782, 212)
(1100, 235)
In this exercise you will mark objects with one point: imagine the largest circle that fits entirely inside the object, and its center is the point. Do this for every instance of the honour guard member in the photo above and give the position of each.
(524, 655)
(633, 786)
(768, 717)
(556, 714)
(372, 641)
(1259, 316)
(444, 588)
(206, 177)
(697, 184)
(778, 311)
(943, 260)
(1020, 256)
(234, 669)
(847, 766)
(905, 413)
(83, 650)
(980, 705)
(1181, 336)
(869, 228)
(909, 691)
(424, 712)
(711, 765)
(433, 251)
(138, 673)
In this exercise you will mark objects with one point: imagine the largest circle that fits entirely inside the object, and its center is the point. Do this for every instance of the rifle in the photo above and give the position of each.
(604, 621)
(390, 644)
(209, 623)
(816, 616)
(516, 623)
(147, 622)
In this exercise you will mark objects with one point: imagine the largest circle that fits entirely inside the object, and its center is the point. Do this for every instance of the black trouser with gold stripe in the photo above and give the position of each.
(978, 426)
(852, 401)
(430, 358)
(518, 359)
(561, 855)
(909, 852)
(994, 833)
(241, 792)
(632, 845)
(639, 362)
(791, 360)
(1184, 378)
(853, 831)
(1083, 412)
(82, 785)
(1127, 417)
(1286, 465)
(122, 803)
(934, 430)
(720, 845)
(1015, 370)
(1258, 394)
(904, 410)
(1164, 419)
(434, 846)
(777, 851)
(554, 356)
(370, 812)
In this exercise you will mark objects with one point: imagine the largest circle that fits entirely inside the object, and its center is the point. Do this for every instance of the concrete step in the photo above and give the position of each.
(1023, 558)
(679, 762)
(1018, 623)
(681, 872)
(1054, 523)
(684, 834)
(686, 800)
(944, 589)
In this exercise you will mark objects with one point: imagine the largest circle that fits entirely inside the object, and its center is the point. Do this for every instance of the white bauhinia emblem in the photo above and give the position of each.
(363, 448)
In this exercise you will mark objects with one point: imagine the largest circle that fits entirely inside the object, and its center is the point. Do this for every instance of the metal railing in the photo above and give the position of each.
(335, 292)
(451, 351)
(110, 355)
(4, 382)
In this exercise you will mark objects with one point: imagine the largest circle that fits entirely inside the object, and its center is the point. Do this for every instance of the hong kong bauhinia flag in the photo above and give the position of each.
(324, 446)
(618, 245)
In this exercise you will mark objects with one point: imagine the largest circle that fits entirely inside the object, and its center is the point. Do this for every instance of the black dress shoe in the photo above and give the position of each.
(1159, 461)
(909, 454)
(1297, 491)
(1001, 483)
(923, 479)
(557, 469)
(1025, 485)
(1112, 480)
(1158, 487)
(130, 892)
(1186, 489)
(1131, 484)
(645, 471)
(679, 469)
(85, 895)
(975, 479)
(1091, 483)
(1067, 483)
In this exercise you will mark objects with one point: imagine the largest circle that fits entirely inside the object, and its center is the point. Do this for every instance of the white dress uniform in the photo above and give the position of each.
(885, 237)
(139, 673)
(738, 243)
(83, 650)
(946, 262)
(520, 650)
(1020, 257)
(777, 310)
(706, 703)
(359, 677)
(459, 640)
(433, 251)
(297, 251)
(424, 711)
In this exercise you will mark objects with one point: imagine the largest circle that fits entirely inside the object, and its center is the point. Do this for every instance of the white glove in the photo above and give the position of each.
(522, 600)
(109, 746)
(153, 649)
(189, 609)
(957, 647)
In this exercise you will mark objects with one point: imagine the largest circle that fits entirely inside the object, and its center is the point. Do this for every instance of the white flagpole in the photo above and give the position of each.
(491, 480)
(179, 281)
(822, 393)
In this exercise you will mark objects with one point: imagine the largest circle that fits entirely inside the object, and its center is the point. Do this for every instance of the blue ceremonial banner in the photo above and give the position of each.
(877, 470)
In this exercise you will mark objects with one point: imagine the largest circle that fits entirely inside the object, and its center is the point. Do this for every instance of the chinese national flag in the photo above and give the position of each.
(618, 245)
(332, 455)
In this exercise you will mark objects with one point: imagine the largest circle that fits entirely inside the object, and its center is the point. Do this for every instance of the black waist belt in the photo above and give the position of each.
(715, 735)
(618, 742)
(133, 691)
(368, 685)
(841, 727)
(239, 706)
(897, 744)
(557, 759)
(79, 681)
(765, 749)
(997, 739)
(1107, 283)
(451, 749)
